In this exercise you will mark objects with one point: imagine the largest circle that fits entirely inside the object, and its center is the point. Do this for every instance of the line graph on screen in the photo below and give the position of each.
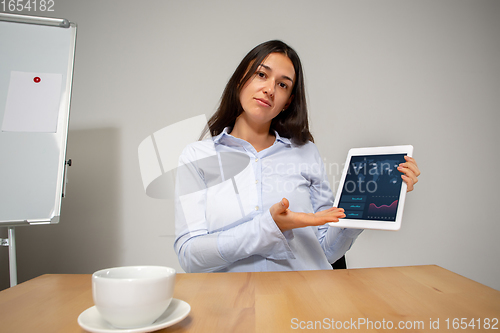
(383, 209)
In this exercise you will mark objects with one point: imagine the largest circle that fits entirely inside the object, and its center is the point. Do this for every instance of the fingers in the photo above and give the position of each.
(340, 214)
(409, 178)
(335, 218)
(329, 215)
(409, 183)
(412, 165)
(333, 211)
(286, 219)
(326, 211)
(285, 203)
(410, 172)
(319, 218)
(279, 208)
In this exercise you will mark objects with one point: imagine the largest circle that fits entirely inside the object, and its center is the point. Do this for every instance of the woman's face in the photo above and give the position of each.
(269, 90)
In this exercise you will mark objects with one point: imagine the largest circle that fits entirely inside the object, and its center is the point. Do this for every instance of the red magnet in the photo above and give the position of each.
(37, 79)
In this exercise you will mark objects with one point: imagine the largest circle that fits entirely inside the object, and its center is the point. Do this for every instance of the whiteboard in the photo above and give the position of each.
(36, 72)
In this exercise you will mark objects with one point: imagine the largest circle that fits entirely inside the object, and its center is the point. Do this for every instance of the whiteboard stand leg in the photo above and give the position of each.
(12, 257)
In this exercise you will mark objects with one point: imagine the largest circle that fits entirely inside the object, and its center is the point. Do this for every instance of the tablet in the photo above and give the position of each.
(371, 189)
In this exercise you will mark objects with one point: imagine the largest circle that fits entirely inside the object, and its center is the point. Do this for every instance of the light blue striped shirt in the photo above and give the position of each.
(224, 190)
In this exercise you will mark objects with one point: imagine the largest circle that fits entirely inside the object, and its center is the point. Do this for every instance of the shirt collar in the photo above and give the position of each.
(282, 139)
(224, 137)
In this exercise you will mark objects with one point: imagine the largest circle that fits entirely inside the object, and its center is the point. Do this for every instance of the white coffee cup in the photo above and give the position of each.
(133, 296)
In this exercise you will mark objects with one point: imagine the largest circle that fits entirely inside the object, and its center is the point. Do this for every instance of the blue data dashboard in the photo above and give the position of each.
(372, 187)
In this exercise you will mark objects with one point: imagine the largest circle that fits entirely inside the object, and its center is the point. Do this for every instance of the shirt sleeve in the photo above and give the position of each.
(198, 249)
(335, 242)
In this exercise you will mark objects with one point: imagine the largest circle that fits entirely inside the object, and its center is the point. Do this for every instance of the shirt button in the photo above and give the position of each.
(256, 207)
(257, 159)
(256, 182)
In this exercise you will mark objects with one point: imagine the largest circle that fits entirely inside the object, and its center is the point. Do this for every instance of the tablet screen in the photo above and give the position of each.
(372, 187)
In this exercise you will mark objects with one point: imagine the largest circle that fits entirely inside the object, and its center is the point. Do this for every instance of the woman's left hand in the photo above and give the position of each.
(410, 172)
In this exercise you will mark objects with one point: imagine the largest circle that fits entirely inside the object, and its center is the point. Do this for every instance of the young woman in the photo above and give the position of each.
(271, 216)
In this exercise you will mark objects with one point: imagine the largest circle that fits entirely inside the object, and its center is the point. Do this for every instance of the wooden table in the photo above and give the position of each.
(422, 298)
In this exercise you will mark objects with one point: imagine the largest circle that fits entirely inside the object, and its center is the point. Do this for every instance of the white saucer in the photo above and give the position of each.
(91, 321)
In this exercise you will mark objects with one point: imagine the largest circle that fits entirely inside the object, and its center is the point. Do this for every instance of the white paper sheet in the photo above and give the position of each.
(32, 102)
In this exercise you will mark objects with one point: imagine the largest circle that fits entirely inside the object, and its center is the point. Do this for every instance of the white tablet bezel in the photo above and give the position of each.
(373, 224)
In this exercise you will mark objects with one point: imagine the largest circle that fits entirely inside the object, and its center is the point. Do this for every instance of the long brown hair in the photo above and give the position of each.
(292, 123)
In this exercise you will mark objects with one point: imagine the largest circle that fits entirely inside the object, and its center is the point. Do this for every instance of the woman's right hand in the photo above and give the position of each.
(285, 219)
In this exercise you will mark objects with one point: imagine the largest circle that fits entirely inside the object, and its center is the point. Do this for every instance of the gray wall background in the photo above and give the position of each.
(383, 72)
